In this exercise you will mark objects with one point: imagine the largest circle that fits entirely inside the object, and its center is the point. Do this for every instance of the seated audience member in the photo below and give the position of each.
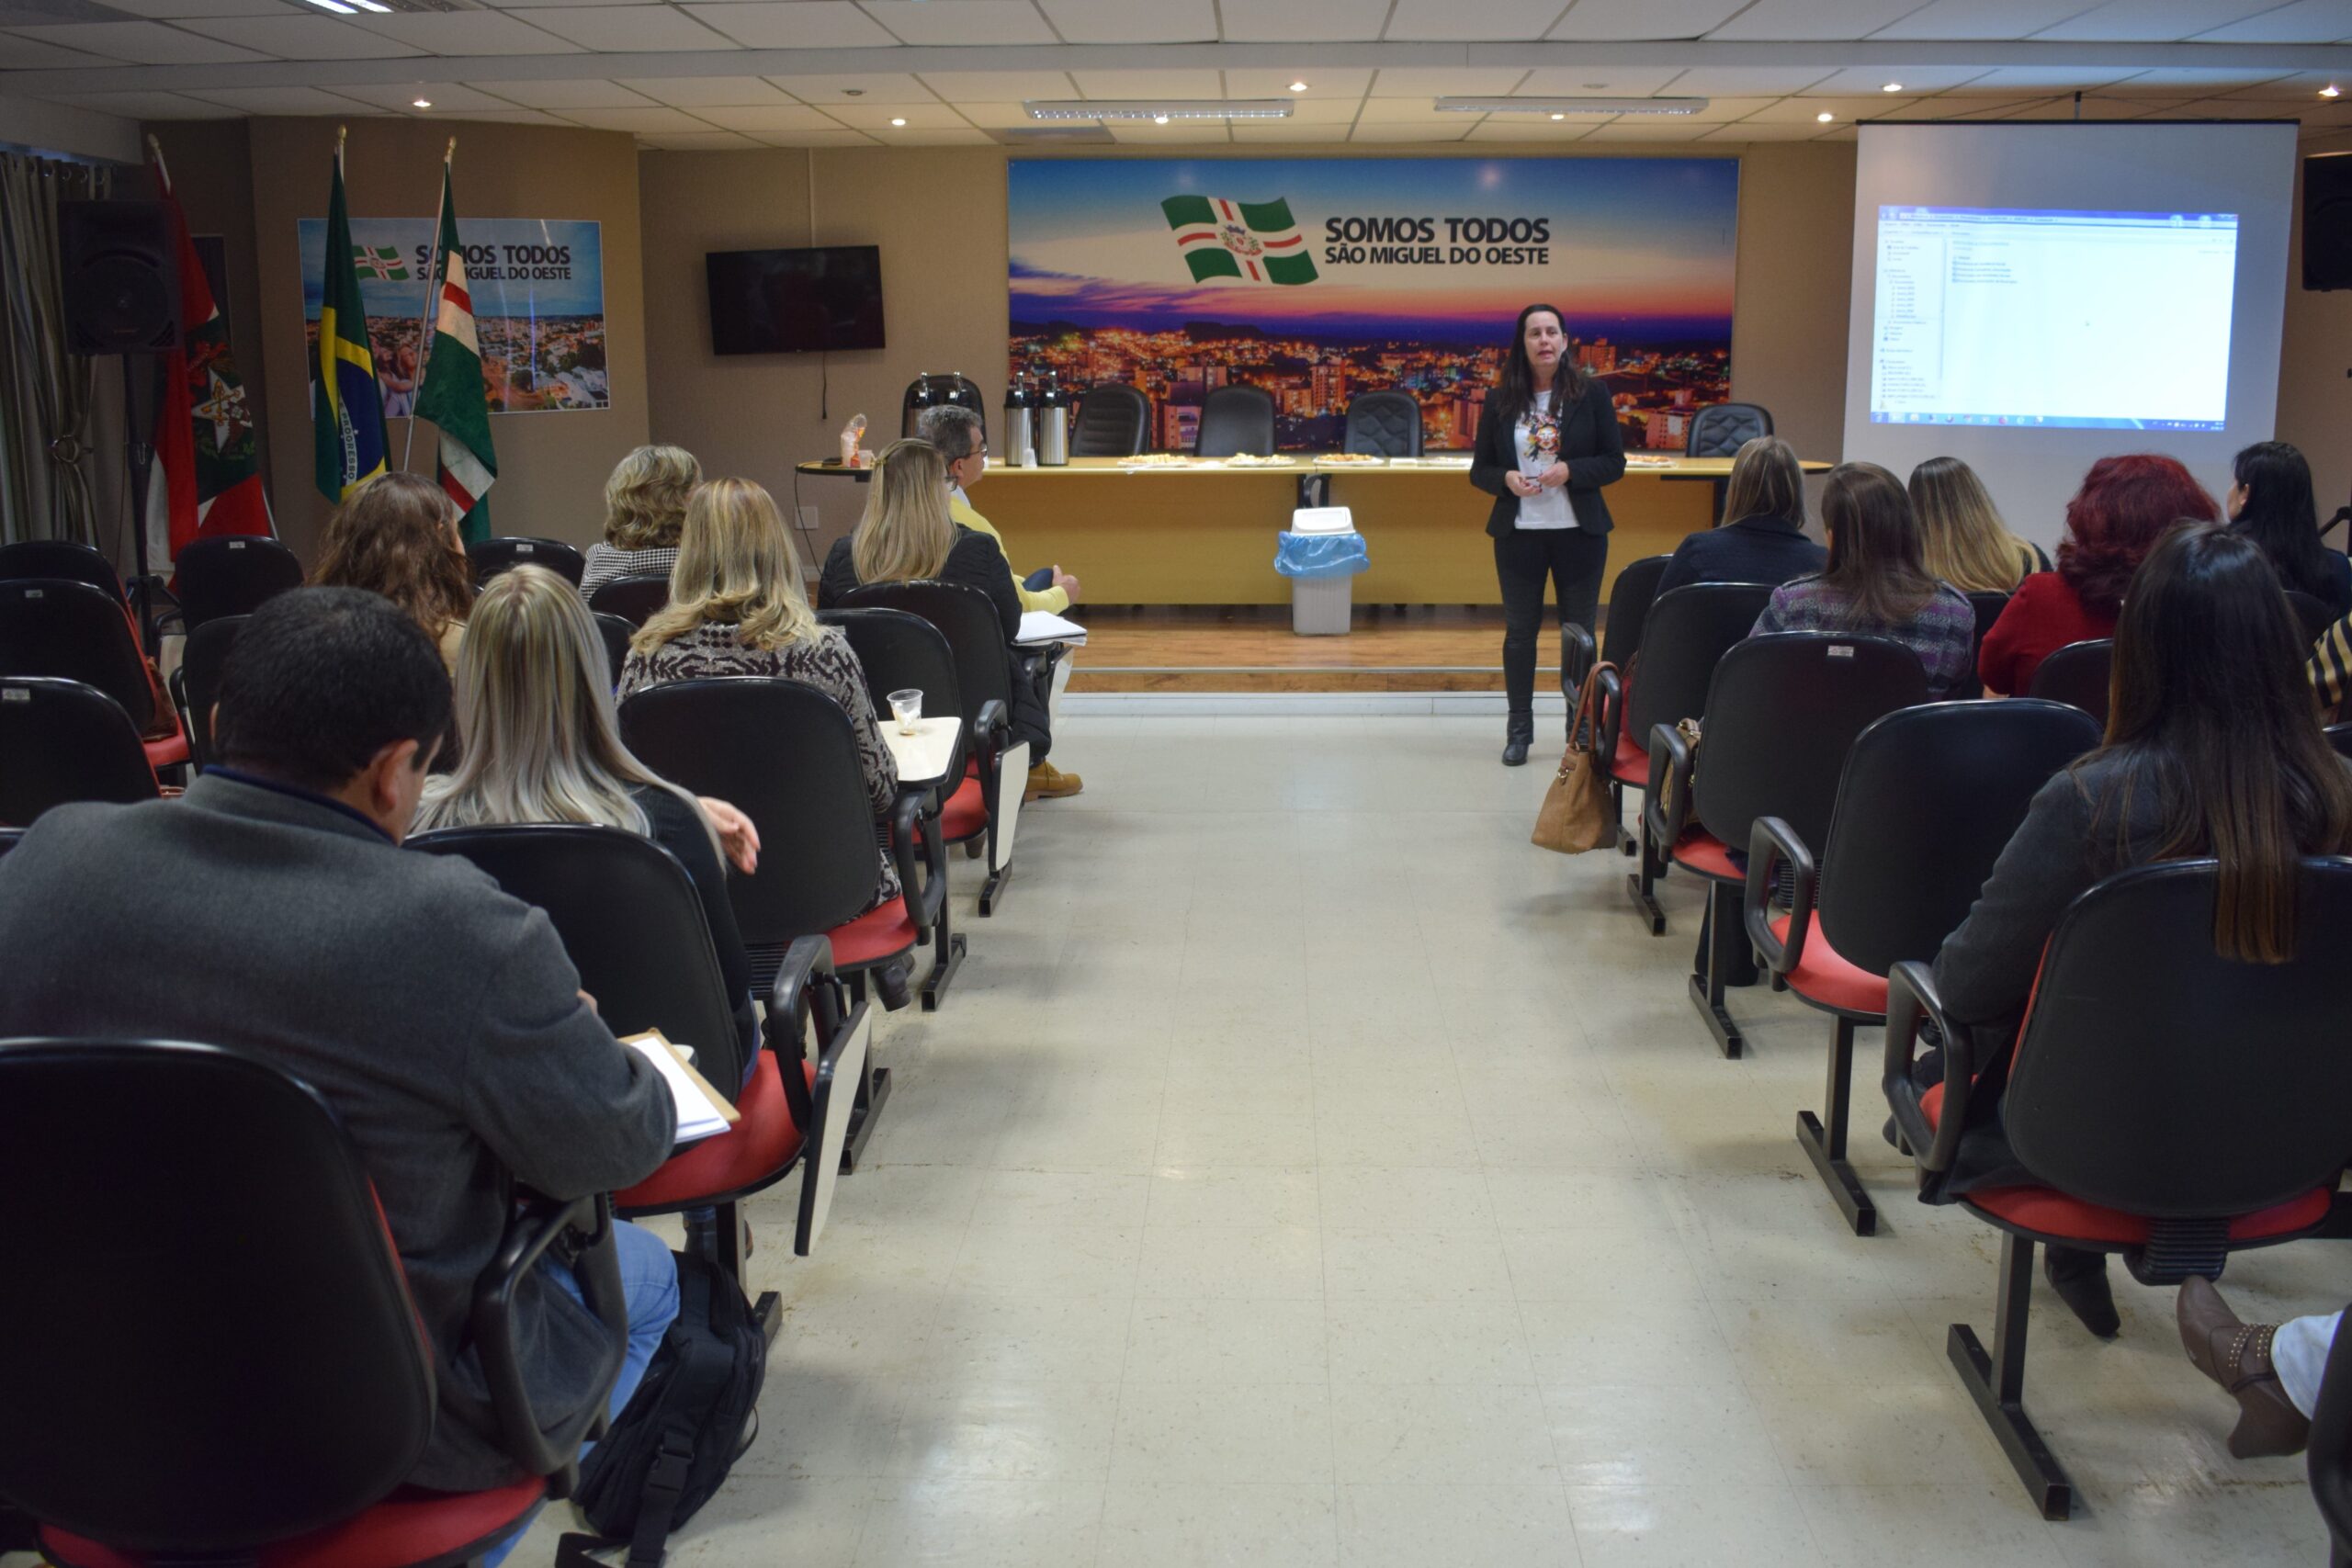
(2273, 1369)
(2270, 502)
(2329, 668)
(2124, 506)
(645, 505)
(436, 1015)
(1762, 539)
(907, 536)
(2211, 749)
(1963, 540)
(536, 732)
(1874, 586)
(397, 536)
(737, 608)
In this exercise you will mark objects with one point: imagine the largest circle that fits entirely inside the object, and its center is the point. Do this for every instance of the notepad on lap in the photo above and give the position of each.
(703, 1112)
(1039, 627)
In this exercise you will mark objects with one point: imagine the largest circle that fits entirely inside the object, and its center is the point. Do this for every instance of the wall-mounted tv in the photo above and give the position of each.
(803, 301)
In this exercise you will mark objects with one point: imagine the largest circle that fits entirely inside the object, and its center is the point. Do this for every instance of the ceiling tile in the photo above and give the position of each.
(543, 5)
(997, 117)
(937, 136)
(469, 32)
(1307, 111)
(285, 100)
(20, 52)
(961, 22)
(1953, 106)
(2186, 82)
(645, 121)
(1813, 18)
(1795, 111)
(1981, 18)
(1598, 19)
(1411, 132)
(1474, 20)
(173, 10)
(813, 139)
(1464, 82)
(1610, 81)
(1916, 79)
(2299, 21)
(795, 24)
(767, 116)
(1753, 130)
(2292, 89)
(614, 29)
(1408, 111)
(1650, 127)
(995, 86)
(876, 117)
(1176, 133)
(142, 43)
(1745, 81)
(699, 141)
(883, 87)
(1287, 130)
(449, 99)
(565, 94)
(2151, 21)
(1533, 130)
(2224, 108)
(1322, 82)
(1303, 21)
(149, 106)
(1132, 21)
(2046, 78)
(1150, 84)
(1735, 106)
(694, 92)
(300, 38)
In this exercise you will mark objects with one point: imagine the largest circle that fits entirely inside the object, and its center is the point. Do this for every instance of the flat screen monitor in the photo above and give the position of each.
(801, 301)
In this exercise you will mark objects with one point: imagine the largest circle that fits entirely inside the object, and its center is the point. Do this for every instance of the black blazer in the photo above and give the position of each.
(1753, 549)
(1590, 443)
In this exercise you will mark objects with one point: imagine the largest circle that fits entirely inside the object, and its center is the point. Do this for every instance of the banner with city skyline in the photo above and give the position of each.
(1321, 279)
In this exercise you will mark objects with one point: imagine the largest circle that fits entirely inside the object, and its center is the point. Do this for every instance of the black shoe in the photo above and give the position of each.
(1518, 734)
(2080, 1279)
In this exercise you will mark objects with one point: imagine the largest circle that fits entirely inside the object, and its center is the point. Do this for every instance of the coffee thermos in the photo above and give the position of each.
(1052, 413)
(932, 389)
(1020, 418)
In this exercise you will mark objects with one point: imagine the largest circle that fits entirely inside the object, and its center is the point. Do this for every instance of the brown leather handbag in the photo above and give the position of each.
(1574, 818)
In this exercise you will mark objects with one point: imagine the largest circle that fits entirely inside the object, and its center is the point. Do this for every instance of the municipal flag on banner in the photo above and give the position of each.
(382, 263)
(1256, 241)
(346, 410)
(206, 477)
(454, 397)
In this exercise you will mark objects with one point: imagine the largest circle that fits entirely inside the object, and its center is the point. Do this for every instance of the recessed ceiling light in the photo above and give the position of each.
(1559, 116)
(898, 122)
(2330, 91)
(423, 103)
(1298, 86)
(1159, 120)
(1824, 117)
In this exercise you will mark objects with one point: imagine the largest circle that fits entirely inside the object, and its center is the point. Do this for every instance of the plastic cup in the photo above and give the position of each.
(907, 708)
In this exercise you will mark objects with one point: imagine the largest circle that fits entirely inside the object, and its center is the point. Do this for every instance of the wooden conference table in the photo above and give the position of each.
(1195, 531)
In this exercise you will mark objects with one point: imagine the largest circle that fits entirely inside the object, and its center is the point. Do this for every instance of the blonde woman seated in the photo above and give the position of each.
(397, 536)
(907, 536)
(1963, 540)
(737, 608)
(535, 722)
(645, 505)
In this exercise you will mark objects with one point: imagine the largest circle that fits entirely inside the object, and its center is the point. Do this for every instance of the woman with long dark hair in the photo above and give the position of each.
(2212, 749)
(2270, 502)
(1547, 442)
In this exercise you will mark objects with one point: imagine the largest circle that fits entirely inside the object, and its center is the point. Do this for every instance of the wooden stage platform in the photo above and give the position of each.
(1251, 648)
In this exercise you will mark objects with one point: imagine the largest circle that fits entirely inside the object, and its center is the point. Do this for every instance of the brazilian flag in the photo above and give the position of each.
(346, 411)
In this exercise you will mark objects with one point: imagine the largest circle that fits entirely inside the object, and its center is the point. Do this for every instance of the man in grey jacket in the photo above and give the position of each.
(273, 910)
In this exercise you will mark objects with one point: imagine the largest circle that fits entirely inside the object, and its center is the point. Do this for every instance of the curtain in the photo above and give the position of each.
(47, 458)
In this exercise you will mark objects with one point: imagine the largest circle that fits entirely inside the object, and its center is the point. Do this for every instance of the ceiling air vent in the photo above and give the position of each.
(1054, 136)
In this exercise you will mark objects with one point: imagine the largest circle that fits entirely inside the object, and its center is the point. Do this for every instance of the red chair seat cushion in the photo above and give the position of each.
(408, 1528)
(876, 935)
(756, 1148)
(169, 751)
(1824, 977)
(1632, 763)
(2045, 1211)
(966, 815)
(1701, 852)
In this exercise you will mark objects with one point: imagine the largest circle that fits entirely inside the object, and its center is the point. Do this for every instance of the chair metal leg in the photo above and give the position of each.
(1997, 1383)
(1627, 843)
(1707, 989)
(872, 1088)
(1641, 887)
(992, 889)
(947, 950)
(1826, 1146)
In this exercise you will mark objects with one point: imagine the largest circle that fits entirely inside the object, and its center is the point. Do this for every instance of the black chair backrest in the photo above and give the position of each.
(1929, 797)
(60, 741)
(968, 622)
(2311, 614)
(60, 559)
(1114, 421)
(2157, 1078)
(74, 632)
(1384, 424)
(615, 631)
(1629, 609)
(2340, 737)
(231, 575)
(1235, 420)
(2077, 674)
(784, 755)
(202, 662)
(201, 1295)
(899, 650)
(1721, 430)
(1989, 606)
(1781, 715)
(630, 922)
(1686, 636)
(490, 556)
(634, 598)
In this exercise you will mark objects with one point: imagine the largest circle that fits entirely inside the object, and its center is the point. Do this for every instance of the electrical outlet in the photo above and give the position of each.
(808, 519)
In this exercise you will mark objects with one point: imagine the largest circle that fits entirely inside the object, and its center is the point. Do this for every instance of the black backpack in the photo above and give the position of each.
(683, 1429)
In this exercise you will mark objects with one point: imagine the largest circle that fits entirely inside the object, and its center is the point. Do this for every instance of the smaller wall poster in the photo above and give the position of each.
(539, 293)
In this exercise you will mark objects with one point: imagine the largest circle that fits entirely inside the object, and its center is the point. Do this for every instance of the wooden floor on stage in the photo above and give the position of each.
(1251, 648)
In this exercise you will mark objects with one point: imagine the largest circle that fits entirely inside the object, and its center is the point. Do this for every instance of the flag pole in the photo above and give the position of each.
(432, 297)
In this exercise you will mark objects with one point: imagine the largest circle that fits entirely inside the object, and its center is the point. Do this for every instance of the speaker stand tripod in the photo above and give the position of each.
(139, 445)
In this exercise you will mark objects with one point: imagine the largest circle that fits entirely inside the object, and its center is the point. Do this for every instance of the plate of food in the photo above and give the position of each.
(1155, 461)
(1251, 460)
(1349, 459)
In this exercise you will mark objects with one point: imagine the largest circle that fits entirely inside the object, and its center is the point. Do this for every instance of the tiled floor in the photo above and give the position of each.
(1306, 1171)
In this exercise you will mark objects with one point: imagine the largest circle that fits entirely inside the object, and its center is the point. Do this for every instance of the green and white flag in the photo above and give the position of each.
(454, 397)
(380, 262)
(1258, 242)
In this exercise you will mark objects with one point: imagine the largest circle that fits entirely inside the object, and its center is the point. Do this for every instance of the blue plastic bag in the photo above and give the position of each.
(1320, 555)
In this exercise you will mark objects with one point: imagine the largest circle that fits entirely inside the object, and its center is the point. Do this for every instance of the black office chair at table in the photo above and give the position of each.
(1929, 797)
(1386, 424)
(1236, 420)
(2077, 675)
(74, 632)
(1114, 421)
(63, 742)
(633, 599)
(2144, 1138)
(231, 575)
(1720, 430)
(229, 1369)
(1782, 712)
(490, 556)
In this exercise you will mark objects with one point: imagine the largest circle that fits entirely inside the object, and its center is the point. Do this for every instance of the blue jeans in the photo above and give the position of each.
(649, 1285)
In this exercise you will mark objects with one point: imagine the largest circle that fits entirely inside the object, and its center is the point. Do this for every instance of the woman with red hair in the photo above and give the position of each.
(2124, 507)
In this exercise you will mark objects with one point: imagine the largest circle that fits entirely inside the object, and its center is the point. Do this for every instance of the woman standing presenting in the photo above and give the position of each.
(1547, 442)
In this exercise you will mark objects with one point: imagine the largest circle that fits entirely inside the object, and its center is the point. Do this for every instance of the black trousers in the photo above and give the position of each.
(1572, 560)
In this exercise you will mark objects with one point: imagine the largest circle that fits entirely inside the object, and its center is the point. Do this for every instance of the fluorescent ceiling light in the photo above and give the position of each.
(337, 6)
(1558, 107)
(1158, 109)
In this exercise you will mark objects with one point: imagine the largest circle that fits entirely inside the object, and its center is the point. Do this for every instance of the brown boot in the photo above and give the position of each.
(2237, 1355)
(1049, 783)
